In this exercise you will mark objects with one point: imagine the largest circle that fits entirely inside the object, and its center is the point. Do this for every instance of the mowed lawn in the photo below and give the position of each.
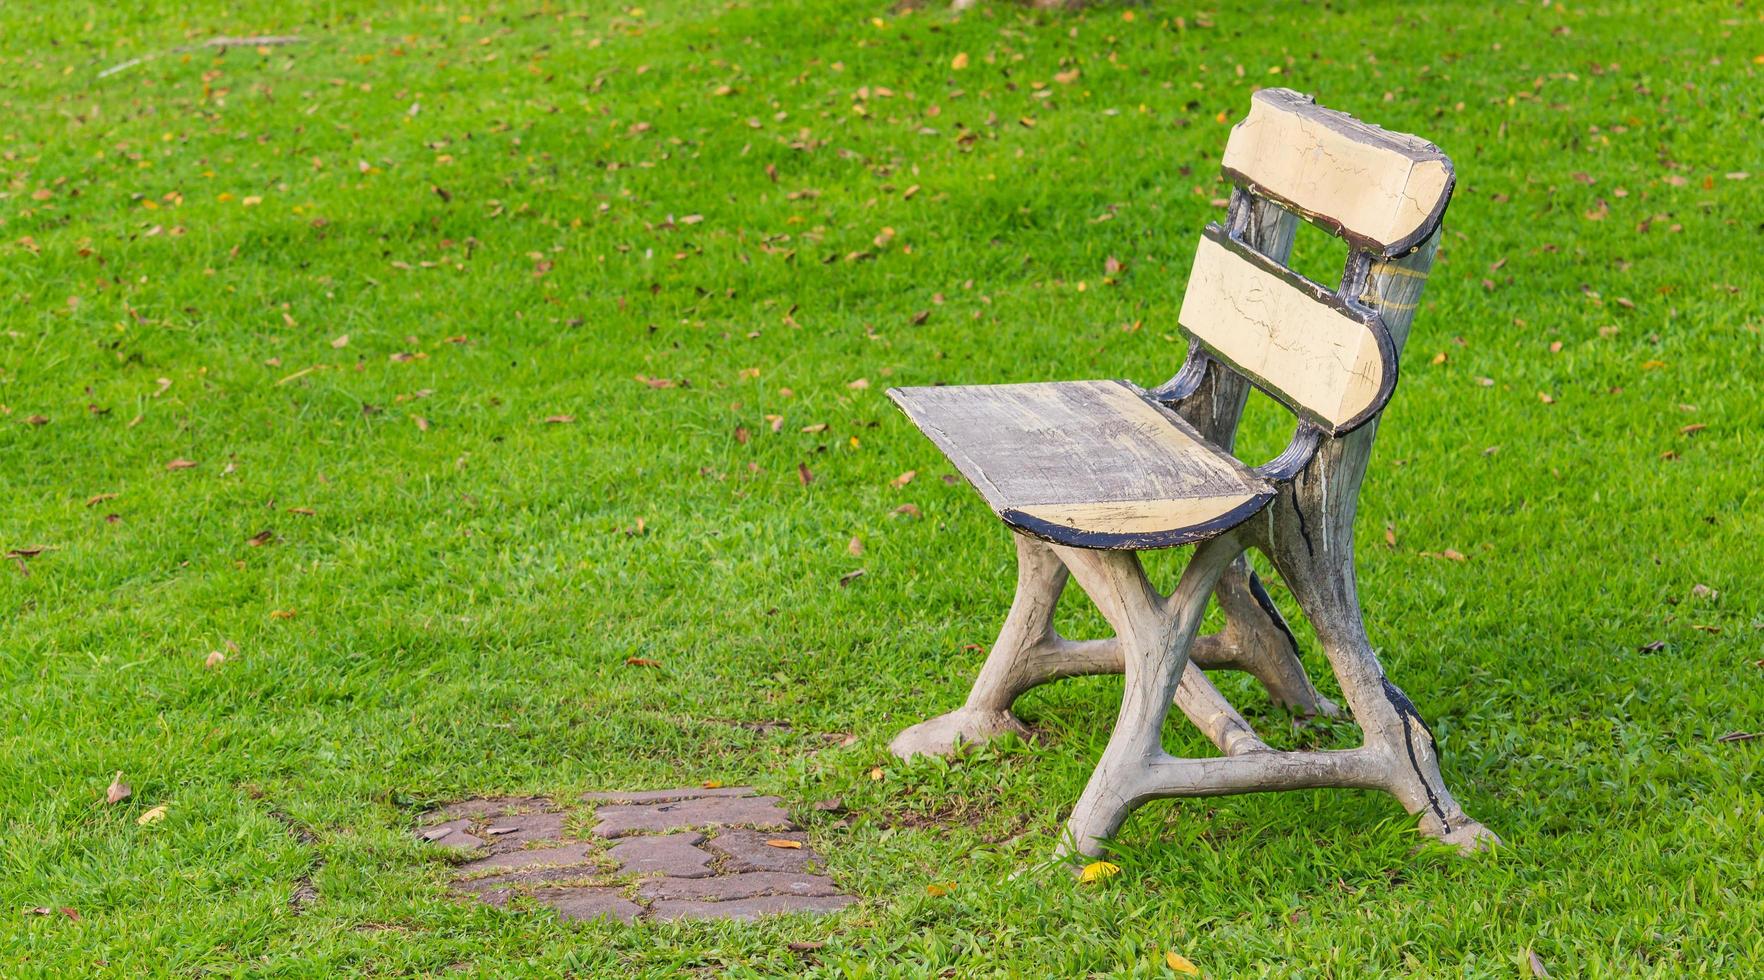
(498, 391)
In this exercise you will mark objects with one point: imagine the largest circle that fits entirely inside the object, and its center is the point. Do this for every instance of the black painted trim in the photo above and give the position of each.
(1144, 541)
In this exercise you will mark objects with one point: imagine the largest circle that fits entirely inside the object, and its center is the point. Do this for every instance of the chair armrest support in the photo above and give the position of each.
(1297, 454)
(1193, 371)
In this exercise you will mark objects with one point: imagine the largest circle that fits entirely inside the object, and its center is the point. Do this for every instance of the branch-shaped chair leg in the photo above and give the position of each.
(1312, 547)
(1028, 652)
(1154, 634)
(1257, 640)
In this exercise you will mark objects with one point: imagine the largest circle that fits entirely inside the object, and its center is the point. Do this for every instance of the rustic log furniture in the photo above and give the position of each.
(1088, 473)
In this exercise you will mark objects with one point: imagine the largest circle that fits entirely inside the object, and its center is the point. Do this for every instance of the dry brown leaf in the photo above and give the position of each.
(36, 420)
(119, 790)
(787, 845)
(180, 464)
(261, 538)
(903, 479)
(341, 342)
(641, 662)
(559, 419)
(855, 546)
(152, 816)
(214, 659)
(422, 424)
(959, 62)
(99, 498)
(803, 474)
(283, 613)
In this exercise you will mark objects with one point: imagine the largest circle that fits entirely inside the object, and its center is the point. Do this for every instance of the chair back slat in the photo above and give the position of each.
(1331, 362)
(1384, 192)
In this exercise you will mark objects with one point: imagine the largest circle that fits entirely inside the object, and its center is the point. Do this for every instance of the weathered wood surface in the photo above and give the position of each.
(1327, 360)
(1380, 190)
(1091, 463)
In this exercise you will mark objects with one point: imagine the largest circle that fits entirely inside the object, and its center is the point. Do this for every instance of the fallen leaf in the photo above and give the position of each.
(1545, 398)
(903, 479)
(855, 546)
(938, 891)
(180, 464)
(119, 790)
(214, 659)
(1654, 647)
(261, 538)
(1453, 554)
(341, 342)
(712, 784)
(816, 429)
(282, 614)
(858, 385)
(559, 419)
(876, 774)
(1176, 961)
(641, 662)
(1692, 429)
(154, 815)
(422, 424)
(804, 474)
(959, 62)
(73, 915)
(850, 577)
(1098, 870)
(788, 845)
(1535, 964)
(36, 420)
(907, 510)
(1737, 736)
(99, 498)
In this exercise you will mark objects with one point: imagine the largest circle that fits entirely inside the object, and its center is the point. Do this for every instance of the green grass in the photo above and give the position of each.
(182, 242)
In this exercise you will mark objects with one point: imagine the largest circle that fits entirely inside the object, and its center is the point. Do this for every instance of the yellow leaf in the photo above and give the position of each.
(788, 845)
(1097, 871)
(959, 62)
(1176, 961)
(876, 773)
(938, 891)
(154, 815)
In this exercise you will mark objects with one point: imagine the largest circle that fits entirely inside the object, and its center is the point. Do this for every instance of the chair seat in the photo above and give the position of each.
(1091, 464)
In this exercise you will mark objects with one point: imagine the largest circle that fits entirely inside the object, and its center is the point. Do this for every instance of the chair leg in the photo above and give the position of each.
(1319, 568)
(1257, 640)
(1027, 653)
(1154, 634)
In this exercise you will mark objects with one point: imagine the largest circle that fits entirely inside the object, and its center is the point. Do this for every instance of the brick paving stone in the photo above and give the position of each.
(517, 879)
(507, 833)
(671, 854)
(454, 834)
(746, 850)
(726, 887)
(746, 909)
(496, 806)
(580, 904)
(667, 795)
(618, 820)
(570, 854)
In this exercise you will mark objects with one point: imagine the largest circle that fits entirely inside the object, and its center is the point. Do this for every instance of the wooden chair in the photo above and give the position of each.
(1088, 473)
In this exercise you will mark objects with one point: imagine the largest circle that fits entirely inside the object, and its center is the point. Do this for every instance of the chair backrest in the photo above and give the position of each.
(1325, 352)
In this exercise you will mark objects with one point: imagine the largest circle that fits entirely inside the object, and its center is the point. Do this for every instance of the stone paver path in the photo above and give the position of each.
(692, 853)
